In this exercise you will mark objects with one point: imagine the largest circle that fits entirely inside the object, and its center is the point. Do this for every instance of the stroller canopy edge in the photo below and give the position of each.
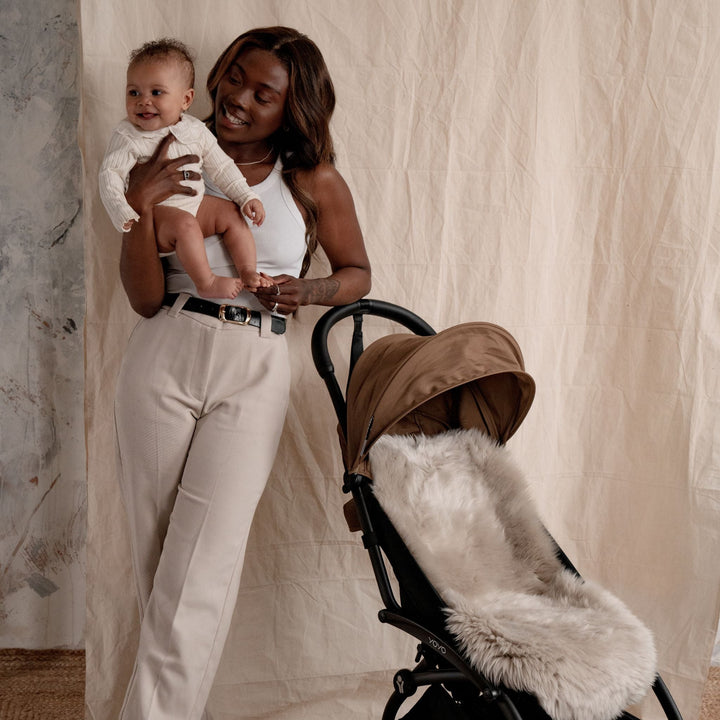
(469, 375)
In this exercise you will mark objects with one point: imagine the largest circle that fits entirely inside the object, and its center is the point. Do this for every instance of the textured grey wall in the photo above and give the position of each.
(42, 453)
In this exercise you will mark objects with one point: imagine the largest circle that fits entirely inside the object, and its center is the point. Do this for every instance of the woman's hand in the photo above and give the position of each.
(288, 293)
(285, 296)
(151, 182)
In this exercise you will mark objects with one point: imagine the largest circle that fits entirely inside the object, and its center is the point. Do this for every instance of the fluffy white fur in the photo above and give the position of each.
(463, 509)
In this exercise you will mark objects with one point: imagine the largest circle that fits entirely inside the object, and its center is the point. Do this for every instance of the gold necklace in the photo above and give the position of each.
(256, 162)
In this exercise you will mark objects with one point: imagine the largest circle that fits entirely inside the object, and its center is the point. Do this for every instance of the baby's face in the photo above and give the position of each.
(156, 94)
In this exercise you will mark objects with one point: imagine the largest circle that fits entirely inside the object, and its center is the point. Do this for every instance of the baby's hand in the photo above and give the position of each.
(255, 211)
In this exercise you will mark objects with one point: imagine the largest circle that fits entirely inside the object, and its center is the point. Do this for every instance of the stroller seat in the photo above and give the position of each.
(524, 620)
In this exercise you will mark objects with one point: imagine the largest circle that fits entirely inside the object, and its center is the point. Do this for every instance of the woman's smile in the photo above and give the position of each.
(232, 117)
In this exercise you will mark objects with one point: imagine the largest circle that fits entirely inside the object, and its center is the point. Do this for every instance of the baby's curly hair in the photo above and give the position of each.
(166, 49)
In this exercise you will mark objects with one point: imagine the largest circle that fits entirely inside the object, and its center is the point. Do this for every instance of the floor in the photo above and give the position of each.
(50, 685)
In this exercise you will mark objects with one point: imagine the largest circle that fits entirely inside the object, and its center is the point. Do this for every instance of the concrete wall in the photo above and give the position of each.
(42, 452)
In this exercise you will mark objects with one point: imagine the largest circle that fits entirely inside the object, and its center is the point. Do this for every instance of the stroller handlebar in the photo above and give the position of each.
(319, 342)
(366, 306)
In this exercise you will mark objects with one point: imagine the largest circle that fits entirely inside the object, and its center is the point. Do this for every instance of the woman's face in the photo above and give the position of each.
(250, 99)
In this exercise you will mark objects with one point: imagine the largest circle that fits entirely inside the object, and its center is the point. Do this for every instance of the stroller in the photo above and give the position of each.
(422, 426)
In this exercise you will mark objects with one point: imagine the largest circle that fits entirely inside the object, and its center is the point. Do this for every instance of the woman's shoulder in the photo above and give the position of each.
(323, 180)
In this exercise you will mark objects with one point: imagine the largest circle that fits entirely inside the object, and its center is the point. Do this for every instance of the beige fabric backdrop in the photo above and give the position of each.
(548, 166)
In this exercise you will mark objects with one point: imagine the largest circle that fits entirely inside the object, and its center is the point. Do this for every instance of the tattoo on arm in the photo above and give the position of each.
(322, 290)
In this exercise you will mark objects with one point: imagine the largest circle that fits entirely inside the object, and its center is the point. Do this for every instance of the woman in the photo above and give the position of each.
(203, 388)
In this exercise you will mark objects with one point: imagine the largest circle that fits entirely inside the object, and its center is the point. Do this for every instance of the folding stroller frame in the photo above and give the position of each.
(453, 689)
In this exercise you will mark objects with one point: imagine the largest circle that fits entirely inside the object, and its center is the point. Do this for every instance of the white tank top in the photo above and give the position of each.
(280, 241)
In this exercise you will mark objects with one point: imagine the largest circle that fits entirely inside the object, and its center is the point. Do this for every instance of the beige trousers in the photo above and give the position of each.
(200, 406)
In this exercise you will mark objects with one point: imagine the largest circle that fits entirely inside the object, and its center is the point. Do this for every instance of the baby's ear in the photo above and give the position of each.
(188, 98)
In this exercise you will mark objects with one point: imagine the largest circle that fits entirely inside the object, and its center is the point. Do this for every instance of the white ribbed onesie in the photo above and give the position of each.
(128, 145)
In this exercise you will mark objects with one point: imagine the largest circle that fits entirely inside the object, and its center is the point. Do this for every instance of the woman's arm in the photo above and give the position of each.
(141, 270)
(339, 235)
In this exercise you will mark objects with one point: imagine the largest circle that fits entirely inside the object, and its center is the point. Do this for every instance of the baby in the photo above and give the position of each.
(160, 79)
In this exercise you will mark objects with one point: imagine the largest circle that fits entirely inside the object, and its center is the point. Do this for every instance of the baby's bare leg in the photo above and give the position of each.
(224, 218)
(178, 230)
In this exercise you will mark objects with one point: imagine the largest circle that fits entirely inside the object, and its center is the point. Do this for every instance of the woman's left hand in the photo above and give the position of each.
(284, 296)
(288, 293)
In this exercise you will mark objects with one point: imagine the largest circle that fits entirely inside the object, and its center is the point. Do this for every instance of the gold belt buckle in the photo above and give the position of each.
(246, 321)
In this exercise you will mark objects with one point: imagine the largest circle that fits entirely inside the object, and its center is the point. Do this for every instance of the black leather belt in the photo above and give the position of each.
(235, 314)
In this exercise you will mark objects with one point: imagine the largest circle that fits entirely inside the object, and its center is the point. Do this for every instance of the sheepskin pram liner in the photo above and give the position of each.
(525, 621)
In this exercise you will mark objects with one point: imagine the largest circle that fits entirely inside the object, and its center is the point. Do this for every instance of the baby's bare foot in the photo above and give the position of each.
(253, 279)
(221, 287)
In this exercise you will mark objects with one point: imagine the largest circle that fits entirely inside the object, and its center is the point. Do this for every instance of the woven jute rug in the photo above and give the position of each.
(711, 697)
(50, 685)
(42, 684)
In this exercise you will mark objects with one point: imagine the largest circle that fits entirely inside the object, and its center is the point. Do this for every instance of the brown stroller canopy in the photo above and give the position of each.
(468, 376)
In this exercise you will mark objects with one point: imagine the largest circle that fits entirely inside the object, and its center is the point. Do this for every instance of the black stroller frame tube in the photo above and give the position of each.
(370, 542)
(666, 699)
